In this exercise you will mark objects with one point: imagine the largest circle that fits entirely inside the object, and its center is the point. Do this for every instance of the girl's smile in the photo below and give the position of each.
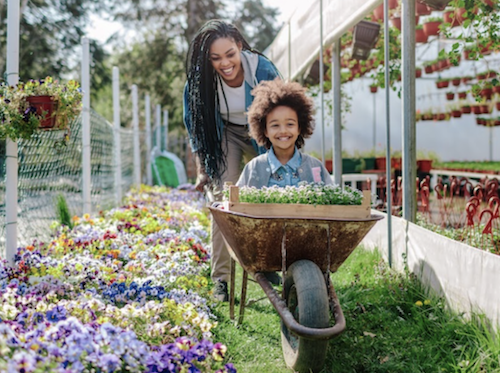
(282, 130)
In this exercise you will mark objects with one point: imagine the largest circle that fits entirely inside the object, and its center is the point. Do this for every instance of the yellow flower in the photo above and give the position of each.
(418, 303)
(427, 302)
(86, 216)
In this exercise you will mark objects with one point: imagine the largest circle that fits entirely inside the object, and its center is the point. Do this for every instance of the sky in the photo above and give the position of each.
(101, 30)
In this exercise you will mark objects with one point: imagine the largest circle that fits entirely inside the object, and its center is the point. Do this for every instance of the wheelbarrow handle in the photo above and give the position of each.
(292, 324)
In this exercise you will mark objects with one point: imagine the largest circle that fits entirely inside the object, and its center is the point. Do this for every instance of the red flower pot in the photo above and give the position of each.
(428, 69)
(420, 36)
(476, 109)
(373, 89)
(380, 163)
(497, 105)
(481, 76)
(450, 96)
(485, 109)
(451, 18)
(45, 107)
(456, 113)
(418, 73)
(486, 93)
(431, 28)
(456, 82)
(466, 109)
(496, 89)
(462, 95)
(379, 12)
(481, 121)
(421, 9)
(396, 22)
(424, 165)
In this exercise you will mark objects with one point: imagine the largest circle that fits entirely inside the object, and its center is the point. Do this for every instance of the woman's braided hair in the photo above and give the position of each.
(203, 102)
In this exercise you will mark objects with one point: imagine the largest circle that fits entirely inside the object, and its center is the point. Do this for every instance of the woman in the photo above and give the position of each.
(221, 70)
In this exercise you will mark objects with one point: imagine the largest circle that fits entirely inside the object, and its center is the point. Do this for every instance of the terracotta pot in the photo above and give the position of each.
(451, 18)
(486, 93)
(380, 163)
(396, 22)
(424, 165)
(396, 163)
(450, 96)
(497, 105)
(466, 109)
(456, 113)
(485, 109)
(480, 121)
(481, 76)
(45, 106)
(496, 88)
(420, 36)
(476, 109)
(373, 89)
(418, 73)
(465, 79)
(442, 84)
(421, 9)
(462, 95)
(393, 4)
(456, 82)
(428, 69)
(431, 28)
(329, 165)
(378, 12)
(491, 74)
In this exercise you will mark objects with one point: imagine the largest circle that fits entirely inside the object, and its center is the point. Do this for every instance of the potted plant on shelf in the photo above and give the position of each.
(462, 95)
(450, 95)
(431, 26)
(465, 108)
(420, 35)
(442, 83)
(37, 104)
(455, 110)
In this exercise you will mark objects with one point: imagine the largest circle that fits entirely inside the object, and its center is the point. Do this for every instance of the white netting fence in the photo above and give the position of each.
(50, 166)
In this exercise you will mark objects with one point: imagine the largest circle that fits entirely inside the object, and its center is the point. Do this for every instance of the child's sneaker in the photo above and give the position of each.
(220, 291)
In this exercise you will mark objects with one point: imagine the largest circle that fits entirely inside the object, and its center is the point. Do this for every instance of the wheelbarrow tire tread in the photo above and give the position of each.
(305, 292)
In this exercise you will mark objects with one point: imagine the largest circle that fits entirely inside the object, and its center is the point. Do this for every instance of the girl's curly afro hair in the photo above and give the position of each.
(274, 93)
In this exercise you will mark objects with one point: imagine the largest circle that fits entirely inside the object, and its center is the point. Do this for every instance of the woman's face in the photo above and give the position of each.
(225, 55)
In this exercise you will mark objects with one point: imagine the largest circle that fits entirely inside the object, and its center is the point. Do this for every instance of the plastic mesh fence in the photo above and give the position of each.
(49, 166)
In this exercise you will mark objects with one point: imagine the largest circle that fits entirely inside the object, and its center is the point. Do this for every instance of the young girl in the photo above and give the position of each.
(280, 118)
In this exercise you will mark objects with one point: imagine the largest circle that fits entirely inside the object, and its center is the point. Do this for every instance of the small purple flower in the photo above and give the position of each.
(56, 314)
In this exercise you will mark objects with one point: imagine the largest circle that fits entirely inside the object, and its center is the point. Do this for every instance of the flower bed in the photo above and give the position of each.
(126, 291)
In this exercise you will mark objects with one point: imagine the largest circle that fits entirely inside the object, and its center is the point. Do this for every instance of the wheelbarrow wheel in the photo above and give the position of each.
(307, 299)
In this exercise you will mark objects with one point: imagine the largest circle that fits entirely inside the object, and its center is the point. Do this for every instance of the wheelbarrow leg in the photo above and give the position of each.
(231, 290)
(243, 298)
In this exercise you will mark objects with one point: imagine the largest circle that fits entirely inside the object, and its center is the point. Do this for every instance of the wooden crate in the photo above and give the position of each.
(295, 210)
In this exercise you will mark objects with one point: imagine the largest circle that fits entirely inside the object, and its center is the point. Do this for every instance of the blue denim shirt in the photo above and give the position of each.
(283, 175)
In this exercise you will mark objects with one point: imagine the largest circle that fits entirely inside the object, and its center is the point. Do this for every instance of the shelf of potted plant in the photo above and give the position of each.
(431, 26)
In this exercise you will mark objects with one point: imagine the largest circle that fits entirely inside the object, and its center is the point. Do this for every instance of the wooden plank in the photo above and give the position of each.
(362, 211)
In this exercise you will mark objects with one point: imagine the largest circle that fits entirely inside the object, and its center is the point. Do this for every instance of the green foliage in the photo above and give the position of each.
(394, 324)
(305, 193)
(18, 119)
(62, 211)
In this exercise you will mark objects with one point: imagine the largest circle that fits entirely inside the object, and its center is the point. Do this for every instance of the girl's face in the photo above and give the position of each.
(225, 55)
(282, 129)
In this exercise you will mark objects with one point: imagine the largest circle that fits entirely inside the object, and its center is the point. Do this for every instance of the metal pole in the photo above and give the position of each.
(86, 167)
(337, 114)
(149, 175)
(165, 125)
(135, 131)
(408, 108)
(321, 81)
(117, 139)
(491, 144)
(374, 123)
(11, 151)
(388, 132)
(158, 127)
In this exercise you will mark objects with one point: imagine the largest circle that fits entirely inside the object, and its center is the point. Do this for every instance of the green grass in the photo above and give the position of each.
(393, 325)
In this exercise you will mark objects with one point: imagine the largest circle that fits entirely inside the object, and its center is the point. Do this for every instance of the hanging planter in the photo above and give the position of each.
(496, 88)
(421, 9)
(378, 13)
(450, 17)
(462, 95)
(431, 26)
(466, 109)
(365, 36)
(428, 69)
(442, 83)
(486, 109)
(436, 4)
(420, 35)
(418, 72)
(373, 89)
(497, 105)
(476, 109)
(456, 113)
(450, 96)
(456, 81)
(45, 108)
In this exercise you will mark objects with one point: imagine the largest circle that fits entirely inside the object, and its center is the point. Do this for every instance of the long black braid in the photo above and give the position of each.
(203, 102)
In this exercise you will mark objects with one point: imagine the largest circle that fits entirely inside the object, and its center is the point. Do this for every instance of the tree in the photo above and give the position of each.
(51, 34)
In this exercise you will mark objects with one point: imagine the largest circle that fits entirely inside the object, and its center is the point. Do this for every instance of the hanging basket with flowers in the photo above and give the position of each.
(38, 104)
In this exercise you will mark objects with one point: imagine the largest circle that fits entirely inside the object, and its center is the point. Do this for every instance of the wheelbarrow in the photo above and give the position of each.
(306, 249)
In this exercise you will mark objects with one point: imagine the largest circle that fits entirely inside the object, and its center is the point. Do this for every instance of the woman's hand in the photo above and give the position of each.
(201, 180)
